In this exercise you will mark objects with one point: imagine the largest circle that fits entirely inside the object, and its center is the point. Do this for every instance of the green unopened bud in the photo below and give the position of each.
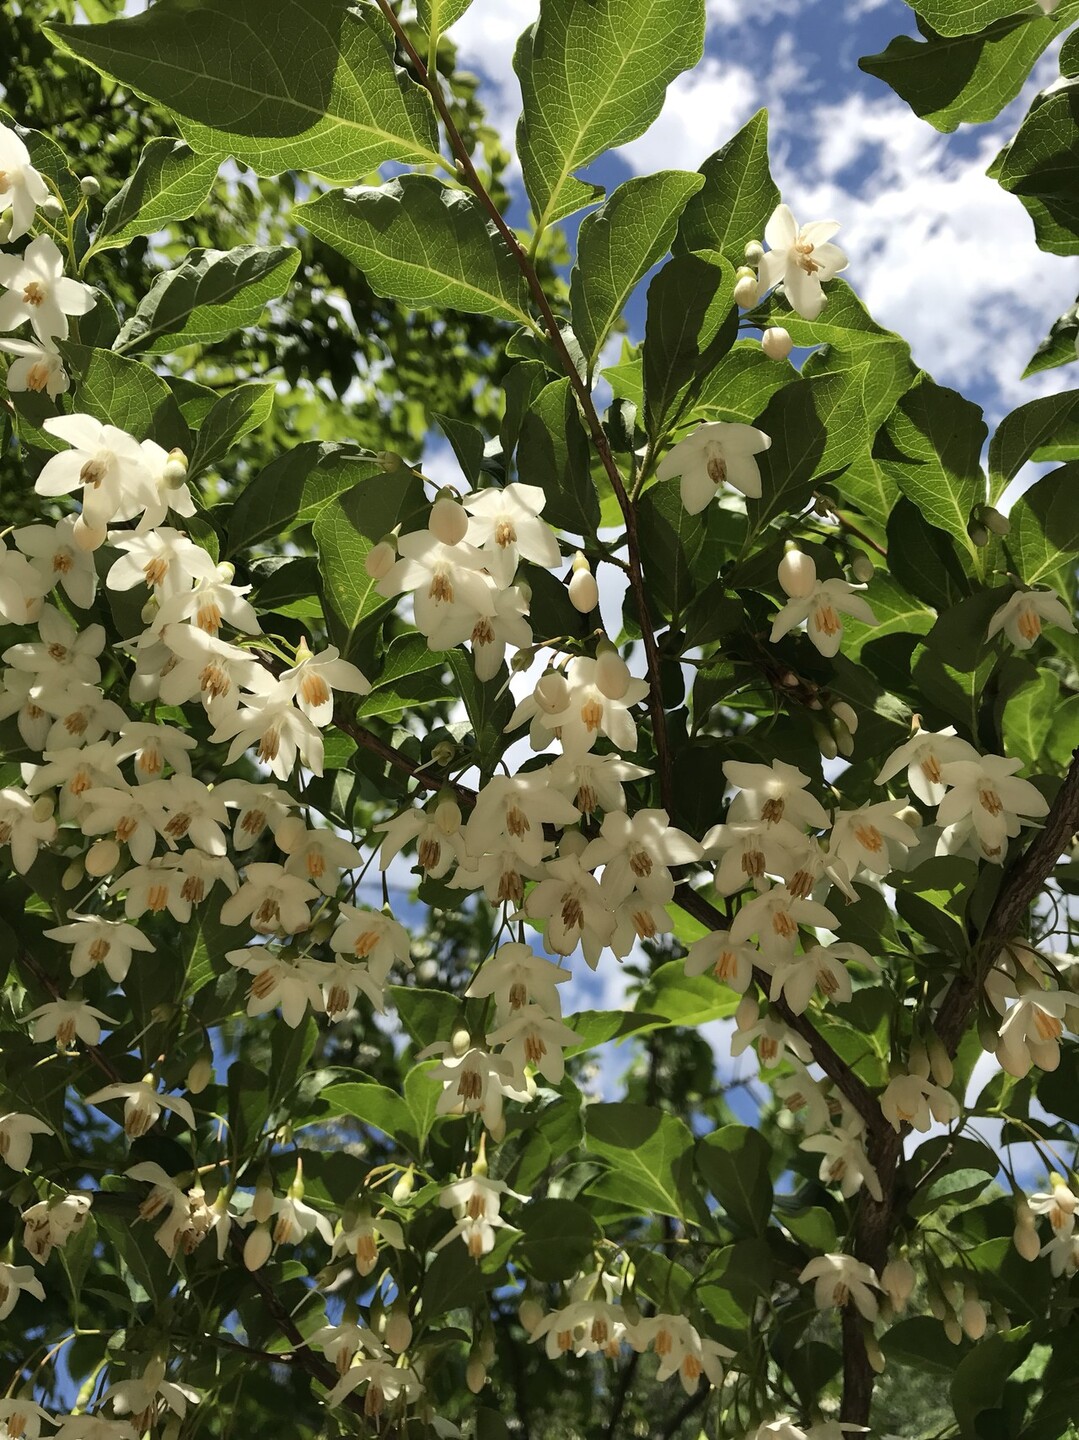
(442, 752)
(90, 186)
(403, 1189)
(998, 523)
(940, 1062)
(747, 290)
(530, 1313)
(51, 208)
(978, 533)
(475, 1373)
(175, 472)
(824, 739)
(861, 567)
(754, 252)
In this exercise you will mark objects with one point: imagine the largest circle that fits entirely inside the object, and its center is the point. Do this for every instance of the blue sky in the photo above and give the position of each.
(937, 250)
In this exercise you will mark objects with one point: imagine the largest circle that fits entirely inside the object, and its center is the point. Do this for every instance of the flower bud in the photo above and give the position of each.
(448, 521)
(200, 1074)
(51, 208)
(257, 1247)
(748, 1012)
(846, 713)
(995, 521)
(861, 567)
(443, 752)
(844, 740)
(262, 1202)
(583, 590)
(175, 471)
(5, 227)
(754, 252)
(73, 876)
(475, 1374)
(460, 1042)
(747, 290)
(90, 186)
(42, 808)
(953, 1330)
(776, 343)
(973, 1317)
(978, 534)
(448, 815)
(552, 692)
(940, 1062)
(874, 1354)
(918, 1061)
(1025, 1239)
(530, 1313)
(102, 858)
(797, 574)
(379, 560)
(897, 1279)
(403, 1189)
(910, 816)
(612, 674)
(937, 1303)
(398, 1330)
(824, 739)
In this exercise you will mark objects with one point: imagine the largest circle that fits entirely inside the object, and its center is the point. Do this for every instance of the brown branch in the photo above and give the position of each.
(580, 389)
(1019, 889)
(419, 772)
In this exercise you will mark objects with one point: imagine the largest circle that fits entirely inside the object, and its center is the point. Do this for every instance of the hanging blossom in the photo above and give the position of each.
(1021, 617)
(22, 188)
(715, 454)
(39, 291)
(801, 257)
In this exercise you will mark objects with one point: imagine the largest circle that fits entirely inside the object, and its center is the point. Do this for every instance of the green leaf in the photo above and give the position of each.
(1029, 716)
(592, 77)
(1059, 346)
(170, 182)
(1023, 432)
(421, 1096)
(209, 295)
(436, 16)
(411, 674)
(673, 548)
(682, 999)
(424, 243)
(738, 197)
(897, 612)
(553, 453)
(920, 1343)
(294, 488)
(127, 394)
(346, 530)
(372, 1104)
(964, 17)
(426, 1013)
(1041, 166)
(734, 1162)
(690, 325)
(868, 486)
(741, 384)
(651, 1155)
(489, 705)
(950, 79)
(941, 435)
(978, 1383)
(924, 559)
(557, 1239)
(279, 84)
(618, 244)
(234, 416)
(1044, 537)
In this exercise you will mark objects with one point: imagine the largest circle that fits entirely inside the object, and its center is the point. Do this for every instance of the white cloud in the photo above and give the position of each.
(702, 110)
(751, 12)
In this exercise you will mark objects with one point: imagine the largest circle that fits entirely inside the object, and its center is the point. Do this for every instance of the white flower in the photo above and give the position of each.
(505, 525)
(782, 1428)
(593, 782)
(22, 188)
(52, 551)
(209, 668)
(450, 588)
(862, 839)
(575, 908)
(97, 941)
(361, 1239)
(168, 492)
(195, 811)
(22, 588)
(164, 559)
(821, 610)
(774, 918)
(15, 1138)
(1059, 1205)
(139, 1396)
(281, 731)
(923, 755)
(105, 463)
(772, 793)
(273, 900)
(514, 809)
(476, 1201)
(844, 1161)
(276, 982)
(800, 1091)
(372, 936)
(154, 747)
(64, 652)
(729, 963)
(384, 1382)
(752, 852)
(715, 453)
(20, 830)
(840, 1279)
(491, 634)
(341, 1343)
(682, 1351)
(259, 806)
(516, 977)
(21, 1419)
(1021, 617)
(589, 713)
(63, 1020)
(1031, 1031)
(295, 1220)
(800, 257)
(50, 1224)
(437, 832)
(13, 1280)
(143, 1105)
(796, 976)
(35, 368)
(986, 792)
(636, 853)
(533, 1037)
(317, 855)
(913, 1100)
(473, 1082)
(314, 678)
(38, 291)
(213, 598)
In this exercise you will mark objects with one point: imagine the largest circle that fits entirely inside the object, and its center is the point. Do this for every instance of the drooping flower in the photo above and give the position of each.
(14, 1279)
(987, 794)
(16, 1133)
(842, 1280)
(105, 463)
(923, 755)
(505, 525)
(36, 367)
(143, 1105)
(314, 678)
(22, 188)
(914, 1100)
(39, 291)
(771, 793)
(801, 257)
(715, 454)
(821, 609)
(1022, 615)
